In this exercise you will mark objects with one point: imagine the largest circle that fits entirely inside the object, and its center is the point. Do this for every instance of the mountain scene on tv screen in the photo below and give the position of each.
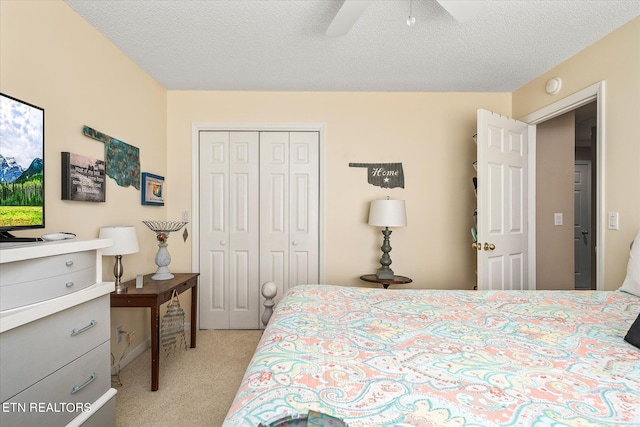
(21, 192)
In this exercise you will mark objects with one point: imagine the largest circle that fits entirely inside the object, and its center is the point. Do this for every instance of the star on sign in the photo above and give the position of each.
(386, 180)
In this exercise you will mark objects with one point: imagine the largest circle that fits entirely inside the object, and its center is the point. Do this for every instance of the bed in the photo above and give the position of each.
(372, 357)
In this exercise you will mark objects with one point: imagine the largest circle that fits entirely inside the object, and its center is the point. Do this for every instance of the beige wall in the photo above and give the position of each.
(555, 141)
(56, 60)
(430, 133)
(616, 60)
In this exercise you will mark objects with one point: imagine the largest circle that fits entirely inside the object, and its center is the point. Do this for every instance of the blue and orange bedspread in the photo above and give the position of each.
(445, 358)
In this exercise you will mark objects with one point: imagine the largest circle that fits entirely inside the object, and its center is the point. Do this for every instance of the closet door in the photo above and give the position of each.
(229, 231)
(289, 194)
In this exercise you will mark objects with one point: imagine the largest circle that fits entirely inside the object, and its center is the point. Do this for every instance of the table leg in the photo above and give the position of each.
(155, 346)
(194, 311)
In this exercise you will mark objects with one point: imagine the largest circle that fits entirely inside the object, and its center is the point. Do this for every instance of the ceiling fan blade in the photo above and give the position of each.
(348, 14)
(462, 10)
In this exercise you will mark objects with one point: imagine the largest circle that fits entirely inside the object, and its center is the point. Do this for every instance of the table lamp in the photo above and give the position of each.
(125, 242)
(387, 213)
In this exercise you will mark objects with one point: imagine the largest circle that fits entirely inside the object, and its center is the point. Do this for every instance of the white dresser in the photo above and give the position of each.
(54, 335)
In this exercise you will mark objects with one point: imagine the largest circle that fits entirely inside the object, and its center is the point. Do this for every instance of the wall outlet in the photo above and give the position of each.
(119, 333)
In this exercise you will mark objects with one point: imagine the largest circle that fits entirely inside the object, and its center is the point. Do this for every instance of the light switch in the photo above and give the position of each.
(185, 216)
(557, 218)
(613, 221)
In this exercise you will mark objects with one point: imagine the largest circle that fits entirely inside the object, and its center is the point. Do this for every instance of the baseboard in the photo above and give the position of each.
(132, 354)
(141, 348)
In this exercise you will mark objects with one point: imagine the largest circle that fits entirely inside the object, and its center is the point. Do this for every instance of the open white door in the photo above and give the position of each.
(582, 224)
(503, 215)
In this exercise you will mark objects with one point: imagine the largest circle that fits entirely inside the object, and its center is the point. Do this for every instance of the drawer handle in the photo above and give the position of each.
(77, 388)
(68, 284)
(86, 328)
(69, 263)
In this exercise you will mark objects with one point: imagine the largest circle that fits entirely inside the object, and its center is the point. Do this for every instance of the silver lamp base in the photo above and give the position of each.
(117, 271)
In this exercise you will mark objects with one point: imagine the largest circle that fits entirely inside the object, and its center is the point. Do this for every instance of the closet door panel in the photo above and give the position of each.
(276, 205)
(274, 209)
(214, 208)
(229, 230)
(216, 272)
(239, 274)
(275, 266)
(303, 208)
(300, 267)
(244, 231)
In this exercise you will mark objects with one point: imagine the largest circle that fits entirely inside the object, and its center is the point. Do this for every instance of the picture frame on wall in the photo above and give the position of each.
(152, 189)
(83, 178)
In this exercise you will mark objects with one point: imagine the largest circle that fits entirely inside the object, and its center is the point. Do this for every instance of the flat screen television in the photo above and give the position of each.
(21, 167)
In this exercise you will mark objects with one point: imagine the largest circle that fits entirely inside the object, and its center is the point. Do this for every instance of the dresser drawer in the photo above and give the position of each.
(70, 390)
(41, 268)
(103, 415)
(34, 350)
(27, 293)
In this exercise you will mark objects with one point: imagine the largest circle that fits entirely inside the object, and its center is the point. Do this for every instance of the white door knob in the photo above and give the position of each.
(223, 242)
(294, 243)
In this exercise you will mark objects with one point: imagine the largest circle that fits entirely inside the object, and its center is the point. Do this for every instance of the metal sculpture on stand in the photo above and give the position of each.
(163, 258)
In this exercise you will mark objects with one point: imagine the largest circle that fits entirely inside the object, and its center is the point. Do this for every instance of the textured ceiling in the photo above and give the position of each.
(282, 45)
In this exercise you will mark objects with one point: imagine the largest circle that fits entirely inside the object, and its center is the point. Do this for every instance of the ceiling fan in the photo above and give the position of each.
(350, 11)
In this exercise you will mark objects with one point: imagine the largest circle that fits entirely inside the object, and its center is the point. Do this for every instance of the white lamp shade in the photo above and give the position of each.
(125, 240)
(387, 213)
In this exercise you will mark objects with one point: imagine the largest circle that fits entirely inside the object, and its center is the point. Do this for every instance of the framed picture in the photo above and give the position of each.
(83, 178)
(152, 189)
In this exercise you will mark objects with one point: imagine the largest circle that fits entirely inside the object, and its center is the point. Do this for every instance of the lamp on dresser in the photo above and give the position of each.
(125, 242)
(387, 213)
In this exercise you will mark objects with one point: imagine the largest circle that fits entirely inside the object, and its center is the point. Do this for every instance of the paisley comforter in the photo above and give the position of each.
(445, 358)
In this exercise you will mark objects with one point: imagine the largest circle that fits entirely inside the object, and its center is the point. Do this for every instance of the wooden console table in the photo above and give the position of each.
(153, 294)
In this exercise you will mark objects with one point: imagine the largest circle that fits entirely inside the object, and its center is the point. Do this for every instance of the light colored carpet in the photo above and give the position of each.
(196, 387)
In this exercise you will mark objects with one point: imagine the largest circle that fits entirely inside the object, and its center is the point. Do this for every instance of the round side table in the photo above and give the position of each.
(397, 280)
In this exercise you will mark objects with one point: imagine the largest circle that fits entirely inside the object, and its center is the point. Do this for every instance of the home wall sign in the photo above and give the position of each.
(122, 160)
(385, 175)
